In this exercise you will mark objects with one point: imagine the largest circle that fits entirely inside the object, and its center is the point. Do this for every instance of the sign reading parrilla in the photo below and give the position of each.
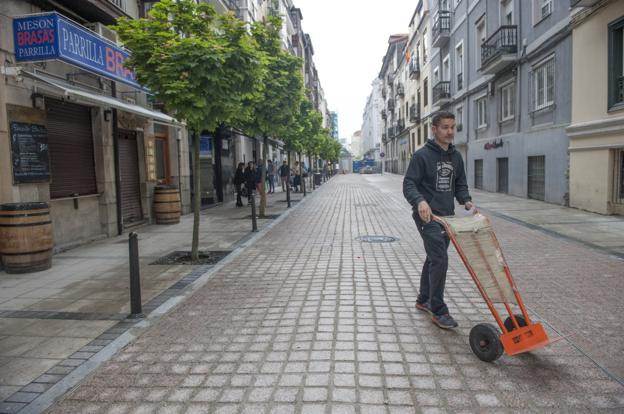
(47, 36)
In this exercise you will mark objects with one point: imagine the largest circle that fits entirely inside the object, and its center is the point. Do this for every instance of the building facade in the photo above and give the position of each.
(371, 122)
(597, 129)
(76, 130)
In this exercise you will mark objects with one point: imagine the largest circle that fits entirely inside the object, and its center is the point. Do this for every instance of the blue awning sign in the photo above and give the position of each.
(46, 36)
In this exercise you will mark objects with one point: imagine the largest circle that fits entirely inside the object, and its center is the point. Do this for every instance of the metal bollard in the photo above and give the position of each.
(254, 224)
(288, 194)
(303, 180)
(135, 277)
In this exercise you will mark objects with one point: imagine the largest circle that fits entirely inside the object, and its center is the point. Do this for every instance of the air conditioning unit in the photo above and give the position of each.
(103, 31)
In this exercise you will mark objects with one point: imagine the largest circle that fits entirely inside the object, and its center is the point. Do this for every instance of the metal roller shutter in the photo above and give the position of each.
(129, 176)
(537, 177)
(70, 142)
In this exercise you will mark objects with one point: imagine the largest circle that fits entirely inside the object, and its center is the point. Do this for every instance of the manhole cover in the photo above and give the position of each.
(376, 239)
(184, 258)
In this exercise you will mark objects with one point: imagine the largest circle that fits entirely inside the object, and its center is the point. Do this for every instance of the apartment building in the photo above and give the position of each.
(504, 67)
(597, 129)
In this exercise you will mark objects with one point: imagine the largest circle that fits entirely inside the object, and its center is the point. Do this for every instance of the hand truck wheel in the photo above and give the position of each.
(510, 325)
(485, 342)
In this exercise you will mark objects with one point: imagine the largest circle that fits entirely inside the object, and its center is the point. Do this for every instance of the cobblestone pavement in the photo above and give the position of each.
(308, 320)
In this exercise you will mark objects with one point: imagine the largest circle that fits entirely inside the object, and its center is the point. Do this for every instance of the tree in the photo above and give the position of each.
(275, 108)
(202, 65)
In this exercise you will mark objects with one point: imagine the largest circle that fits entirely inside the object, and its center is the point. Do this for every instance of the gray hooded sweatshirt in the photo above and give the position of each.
(436, 176)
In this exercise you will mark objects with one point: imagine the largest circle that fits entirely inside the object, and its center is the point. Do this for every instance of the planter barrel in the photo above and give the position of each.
(167, 207)
(26, 239)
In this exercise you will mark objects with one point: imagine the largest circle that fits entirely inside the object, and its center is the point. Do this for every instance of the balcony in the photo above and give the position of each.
(499, 50)
(400, 126)
(442, 28)
(583, 3)
(414, 113)
(391, 104)
(442, 93)
(414, 68)
(383, 114)
(400, 91)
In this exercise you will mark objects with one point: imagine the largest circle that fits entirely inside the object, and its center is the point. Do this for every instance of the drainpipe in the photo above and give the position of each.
(116, 158)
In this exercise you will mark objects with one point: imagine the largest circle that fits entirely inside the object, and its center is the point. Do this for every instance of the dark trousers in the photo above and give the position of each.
(239, 190)
(433, 276)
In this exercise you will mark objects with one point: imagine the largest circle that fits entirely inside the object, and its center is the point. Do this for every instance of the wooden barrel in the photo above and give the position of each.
(167, 206)
(25, 237)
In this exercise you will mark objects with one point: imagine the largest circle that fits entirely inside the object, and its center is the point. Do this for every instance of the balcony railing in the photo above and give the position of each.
(400, 91)
(391, 104)
(441, 92)
(391, 132)
(504, 41)
(441, 28)
(414, 68)
(460, 81)
(414, 113)
(400, 126)
(583, 3)
(119, 3)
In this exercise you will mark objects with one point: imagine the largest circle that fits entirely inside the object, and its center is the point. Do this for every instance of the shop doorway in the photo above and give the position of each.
(130, 179)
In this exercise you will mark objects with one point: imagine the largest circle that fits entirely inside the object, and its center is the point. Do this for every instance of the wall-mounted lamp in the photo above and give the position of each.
(107, 115)
(38, 101)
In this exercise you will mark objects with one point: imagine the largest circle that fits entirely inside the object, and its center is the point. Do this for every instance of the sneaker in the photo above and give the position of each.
(425, 307)
(445, 321)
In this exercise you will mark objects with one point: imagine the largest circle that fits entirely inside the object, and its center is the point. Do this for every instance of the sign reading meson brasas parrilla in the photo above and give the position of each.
(48, 36)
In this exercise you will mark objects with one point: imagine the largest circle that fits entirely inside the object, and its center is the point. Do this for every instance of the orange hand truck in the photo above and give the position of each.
(479, 249)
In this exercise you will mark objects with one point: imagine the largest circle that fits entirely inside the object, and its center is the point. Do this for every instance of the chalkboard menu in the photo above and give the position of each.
(29, 149)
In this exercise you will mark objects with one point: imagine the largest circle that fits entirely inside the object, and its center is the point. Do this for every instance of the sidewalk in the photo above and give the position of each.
(310, 320)
(52, 322)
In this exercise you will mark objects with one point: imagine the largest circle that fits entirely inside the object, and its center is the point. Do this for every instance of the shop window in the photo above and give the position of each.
(161, 160)
(70, 143)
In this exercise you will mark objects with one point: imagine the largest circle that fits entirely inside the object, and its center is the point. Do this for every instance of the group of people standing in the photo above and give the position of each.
(248, 179)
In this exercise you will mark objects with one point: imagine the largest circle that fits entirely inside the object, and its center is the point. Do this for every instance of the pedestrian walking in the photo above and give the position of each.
(434, 177)
(259, 183)
(284, 172)
(250, 180)
(271, 176)
(297, 179)
(239, 180)
(325, 171)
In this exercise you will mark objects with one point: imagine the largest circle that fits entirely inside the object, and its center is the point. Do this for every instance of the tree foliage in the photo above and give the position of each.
(202, 65)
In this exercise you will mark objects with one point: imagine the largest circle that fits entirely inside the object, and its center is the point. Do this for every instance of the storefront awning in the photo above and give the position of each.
(80, 95)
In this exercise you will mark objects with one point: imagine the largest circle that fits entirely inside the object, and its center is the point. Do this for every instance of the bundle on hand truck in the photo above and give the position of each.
(478, 247)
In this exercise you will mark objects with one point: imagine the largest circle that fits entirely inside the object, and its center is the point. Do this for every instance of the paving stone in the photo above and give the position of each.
(320, 322)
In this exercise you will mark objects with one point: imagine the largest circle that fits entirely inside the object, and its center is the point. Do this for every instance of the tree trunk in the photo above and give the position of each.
(263, 196)
(288, 183)
(197, 198)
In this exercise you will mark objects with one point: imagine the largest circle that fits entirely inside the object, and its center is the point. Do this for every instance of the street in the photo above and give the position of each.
(307, 319)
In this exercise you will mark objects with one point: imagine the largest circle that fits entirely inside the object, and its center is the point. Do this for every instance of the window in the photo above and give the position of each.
(480, 37)
(426, 92)
(459, 117)
(459, 65)
(424, 46)
(543, 85)
(436, 75)
(616, 63)
(161, 160)
(478, 177)
(481, 112)
(536, 177)
(507, 101)
(446, 68)
(506, 7)
(444, 5)
(541, 10)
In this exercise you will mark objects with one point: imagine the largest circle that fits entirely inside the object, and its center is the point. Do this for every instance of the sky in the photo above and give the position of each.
(350, 39)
